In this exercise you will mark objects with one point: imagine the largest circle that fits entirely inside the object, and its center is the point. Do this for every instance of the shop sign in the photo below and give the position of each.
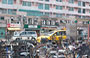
(14, 28)
(14, 25)
(50, 26)
(32, 26)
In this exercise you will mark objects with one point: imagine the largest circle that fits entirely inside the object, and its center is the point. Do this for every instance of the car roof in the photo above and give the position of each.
(58, 30)
(61, 50)
(61, 56)
(53, 51)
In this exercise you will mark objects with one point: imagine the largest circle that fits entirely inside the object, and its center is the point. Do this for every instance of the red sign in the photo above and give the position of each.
(13, 25)
(8, 25)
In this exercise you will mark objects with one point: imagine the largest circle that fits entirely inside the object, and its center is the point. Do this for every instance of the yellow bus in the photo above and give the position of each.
(53, 35)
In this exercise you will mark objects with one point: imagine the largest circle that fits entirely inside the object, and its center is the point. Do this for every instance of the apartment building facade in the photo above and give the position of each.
(55, 8)
(51, 9)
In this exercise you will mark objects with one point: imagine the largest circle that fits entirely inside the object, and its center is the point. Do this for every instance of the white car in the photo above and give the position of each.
(61, 56)
(24, 53)
(24, 35)
(61, 53)
(53, 53)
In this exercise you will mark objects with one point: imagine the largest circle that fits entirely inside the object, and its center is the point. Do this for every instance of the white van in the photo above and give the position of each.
(24, 35)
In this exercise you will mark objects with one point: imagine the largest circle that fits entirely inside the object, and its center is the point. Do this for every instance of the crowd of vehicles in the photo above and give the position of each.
(53, 35)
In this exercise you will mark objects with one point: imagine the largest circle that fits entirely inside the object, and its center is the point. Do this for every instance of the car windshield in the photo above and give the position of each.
(52, 54)
(49, 33)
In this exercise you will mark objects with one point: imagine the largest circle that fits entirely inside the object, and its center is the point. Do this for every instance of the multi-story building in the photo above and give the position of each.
(53, 9)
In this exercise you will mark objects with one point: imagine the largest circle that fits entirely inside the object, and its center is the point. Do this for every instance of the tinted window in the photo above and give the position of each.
(57, 33)
(31, 32)
(23, 33)
(60, 33)
(63, 33)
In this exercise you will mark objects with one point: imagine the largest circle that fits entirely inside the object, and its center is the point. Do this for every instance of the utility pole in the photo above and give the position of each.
(76, 29)
(88, 32)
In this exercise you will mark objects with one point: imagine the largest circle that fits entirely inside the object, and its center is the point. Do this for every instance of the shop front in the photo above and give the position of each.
(36, 28)
(2, 32)
(48, 28)
(2, 29)
(11, 28)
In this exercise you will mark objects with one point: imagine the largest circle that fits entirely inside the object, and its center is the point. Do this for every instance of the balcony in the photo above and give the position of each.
(72, 12)
(8, 6)
(2, 23)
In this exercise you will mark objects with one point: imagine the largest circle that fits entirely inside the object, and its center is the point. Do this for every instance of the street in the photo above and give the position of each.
(44, 29)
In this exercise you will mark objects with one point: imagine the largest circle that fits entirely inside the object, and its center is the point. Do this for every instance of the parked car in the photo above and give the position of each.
(25, 35)
(52, 54)
(61, 53)
(24, 53)
(61, 56)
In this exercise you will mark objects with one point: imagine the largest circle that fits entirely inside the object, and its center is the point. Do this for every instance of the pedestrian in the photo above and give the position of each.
(46, 55)
(77, 56)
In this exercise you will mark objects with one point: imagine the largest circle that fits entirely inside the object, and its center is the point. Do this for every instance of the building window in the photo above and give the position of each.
(79, 3)
(3, 11)
(1, 18)
(7, 1)
(83, 17)
(46, 6)
(83, 3)
(71, 9)
(59, 7)
(89, 3)
(71, 1)
(58, 15)
(24, 3)
(59, 0)
(79, 10)
(89, 11)
(52, 22)
(48, 22)
(4, 1)
(28, 3)
(30, 21)
(10, 1)
(47, 0)
(34, 13)
(46, 14)
(84, 11)
(12, 11)
(44, 22)
(40, 6)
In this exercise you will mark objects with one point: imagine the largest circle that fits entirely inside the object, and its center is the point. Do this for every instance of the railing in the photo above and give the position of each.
(3, 21)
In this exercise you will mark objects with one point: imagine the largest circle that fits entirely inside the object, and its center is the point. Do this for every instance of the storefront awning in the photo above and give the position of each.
(14, 28)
